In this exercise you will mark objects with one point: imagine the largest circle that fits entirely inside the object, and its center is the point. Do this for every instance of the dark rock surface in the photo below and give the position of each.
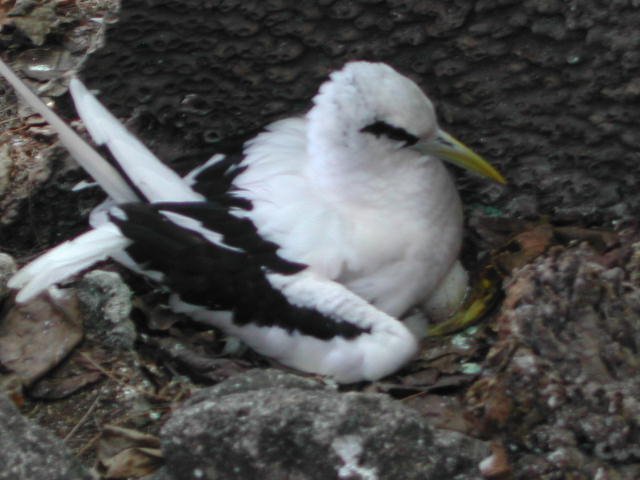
(268, 424)
(546, 89)
(29, 452)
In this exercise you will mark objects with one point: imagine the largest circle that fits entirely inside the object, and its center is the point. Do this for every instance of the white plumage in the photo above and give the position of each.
(384, 220)
(354, 221)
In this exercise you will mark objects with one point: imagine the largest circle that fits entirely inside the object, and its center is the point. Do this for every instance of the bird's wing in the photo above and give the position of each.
(152, 178)
(215, 262)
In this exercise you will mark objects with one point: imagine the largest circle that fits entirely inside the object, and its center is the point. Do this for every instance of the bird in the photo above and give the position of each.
(325, 242)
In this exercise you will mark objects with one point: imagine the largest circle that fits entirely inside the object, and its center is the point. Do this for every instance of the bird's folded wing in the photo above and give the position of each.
(280, 308)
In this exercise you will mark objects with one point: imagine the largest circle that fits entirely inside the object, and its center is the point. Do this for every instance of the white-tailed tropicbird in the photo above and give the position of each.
(310, 245)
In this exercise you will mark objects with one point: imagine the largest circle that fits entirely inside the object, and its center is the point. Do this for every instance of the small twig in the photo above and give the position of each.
(83, 419)
(125, 384)
(9, 120)
(412, 396)
(89, 444)
(96, 437)
(14, 130)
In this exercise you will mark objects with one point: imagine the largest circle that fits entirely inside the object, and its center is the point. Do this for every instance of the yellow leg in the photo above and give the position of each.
(483, 295)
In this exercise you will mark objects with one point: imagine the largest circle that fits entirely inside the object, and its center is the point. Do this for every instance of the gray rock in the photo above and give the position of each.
(277, 425)
(28, 452)
(106, 300)
(7, 269)
(563, 377)
(253, 380)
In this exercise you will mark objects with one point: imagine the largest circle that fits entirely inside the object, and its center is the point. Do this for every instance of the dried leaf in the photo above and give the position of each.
(115, 439)
(426, 377)
(598, 239)
(5, 7)
(198, 361)
(57, 388)
(441, 411)
(133, 463)
(35, 337)
(496, 231)
(35, 20)
(497, 465)
(489, 405)
(76, 372)
(127, 453)
(11, 386)
(446, 355)
(524, 247)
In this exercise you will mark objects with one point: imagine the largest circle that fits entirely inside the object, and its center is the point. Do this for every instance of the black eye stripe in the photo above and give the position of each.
(394, 133)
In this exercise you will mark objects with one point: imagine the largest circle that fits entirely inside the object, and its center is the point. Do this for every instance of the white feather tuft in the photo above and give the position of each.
(66, 260)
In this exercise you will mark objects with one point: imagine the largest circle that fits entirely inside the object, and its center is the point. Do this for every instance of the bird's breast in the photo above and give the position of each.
(401, 252)
(392, 245)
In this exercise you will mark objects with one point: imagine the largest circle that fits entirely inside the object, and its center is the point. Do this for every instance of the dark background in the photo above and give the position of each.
(545, 89)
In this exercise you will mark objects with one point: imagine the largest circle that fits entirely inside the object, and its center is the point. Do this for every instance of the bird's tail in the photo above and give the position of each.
(154, 182)
(100, 169)
(67, 259)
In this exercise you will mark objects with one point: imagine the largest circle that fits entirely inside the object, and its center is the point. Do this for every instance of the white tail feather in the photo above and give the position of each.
(156, 181)
(107, 176)
(67, 259)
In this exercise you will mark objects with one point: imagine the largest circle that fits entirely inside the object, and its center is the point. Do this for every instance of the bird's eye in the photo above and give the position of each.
(381, 128)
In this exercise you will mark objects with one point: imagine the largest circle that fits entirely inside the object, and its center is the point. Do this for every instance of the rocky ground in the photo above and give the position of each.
(103, 382)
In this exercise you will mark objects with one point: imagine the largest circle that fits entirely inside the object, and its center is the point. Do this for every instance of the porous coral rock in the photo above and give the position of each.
(563, 380)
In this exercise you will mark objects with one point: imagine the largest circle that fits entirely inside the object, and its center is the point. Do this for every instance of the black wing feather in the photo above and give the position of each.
(216, 277)
(236, 232)
(215, 182)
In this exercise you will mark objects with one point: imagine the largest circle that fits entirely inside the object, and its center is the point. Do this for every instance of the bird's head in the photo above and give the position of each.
(366, 99)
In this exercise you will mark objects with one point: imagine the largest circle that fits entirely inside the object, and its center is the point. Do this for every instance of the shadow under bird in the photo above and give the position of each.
(313, 245)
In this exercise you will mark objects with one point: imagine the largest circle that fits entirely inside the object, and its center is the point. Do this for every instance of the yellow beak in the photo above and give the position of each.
(445, 147)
